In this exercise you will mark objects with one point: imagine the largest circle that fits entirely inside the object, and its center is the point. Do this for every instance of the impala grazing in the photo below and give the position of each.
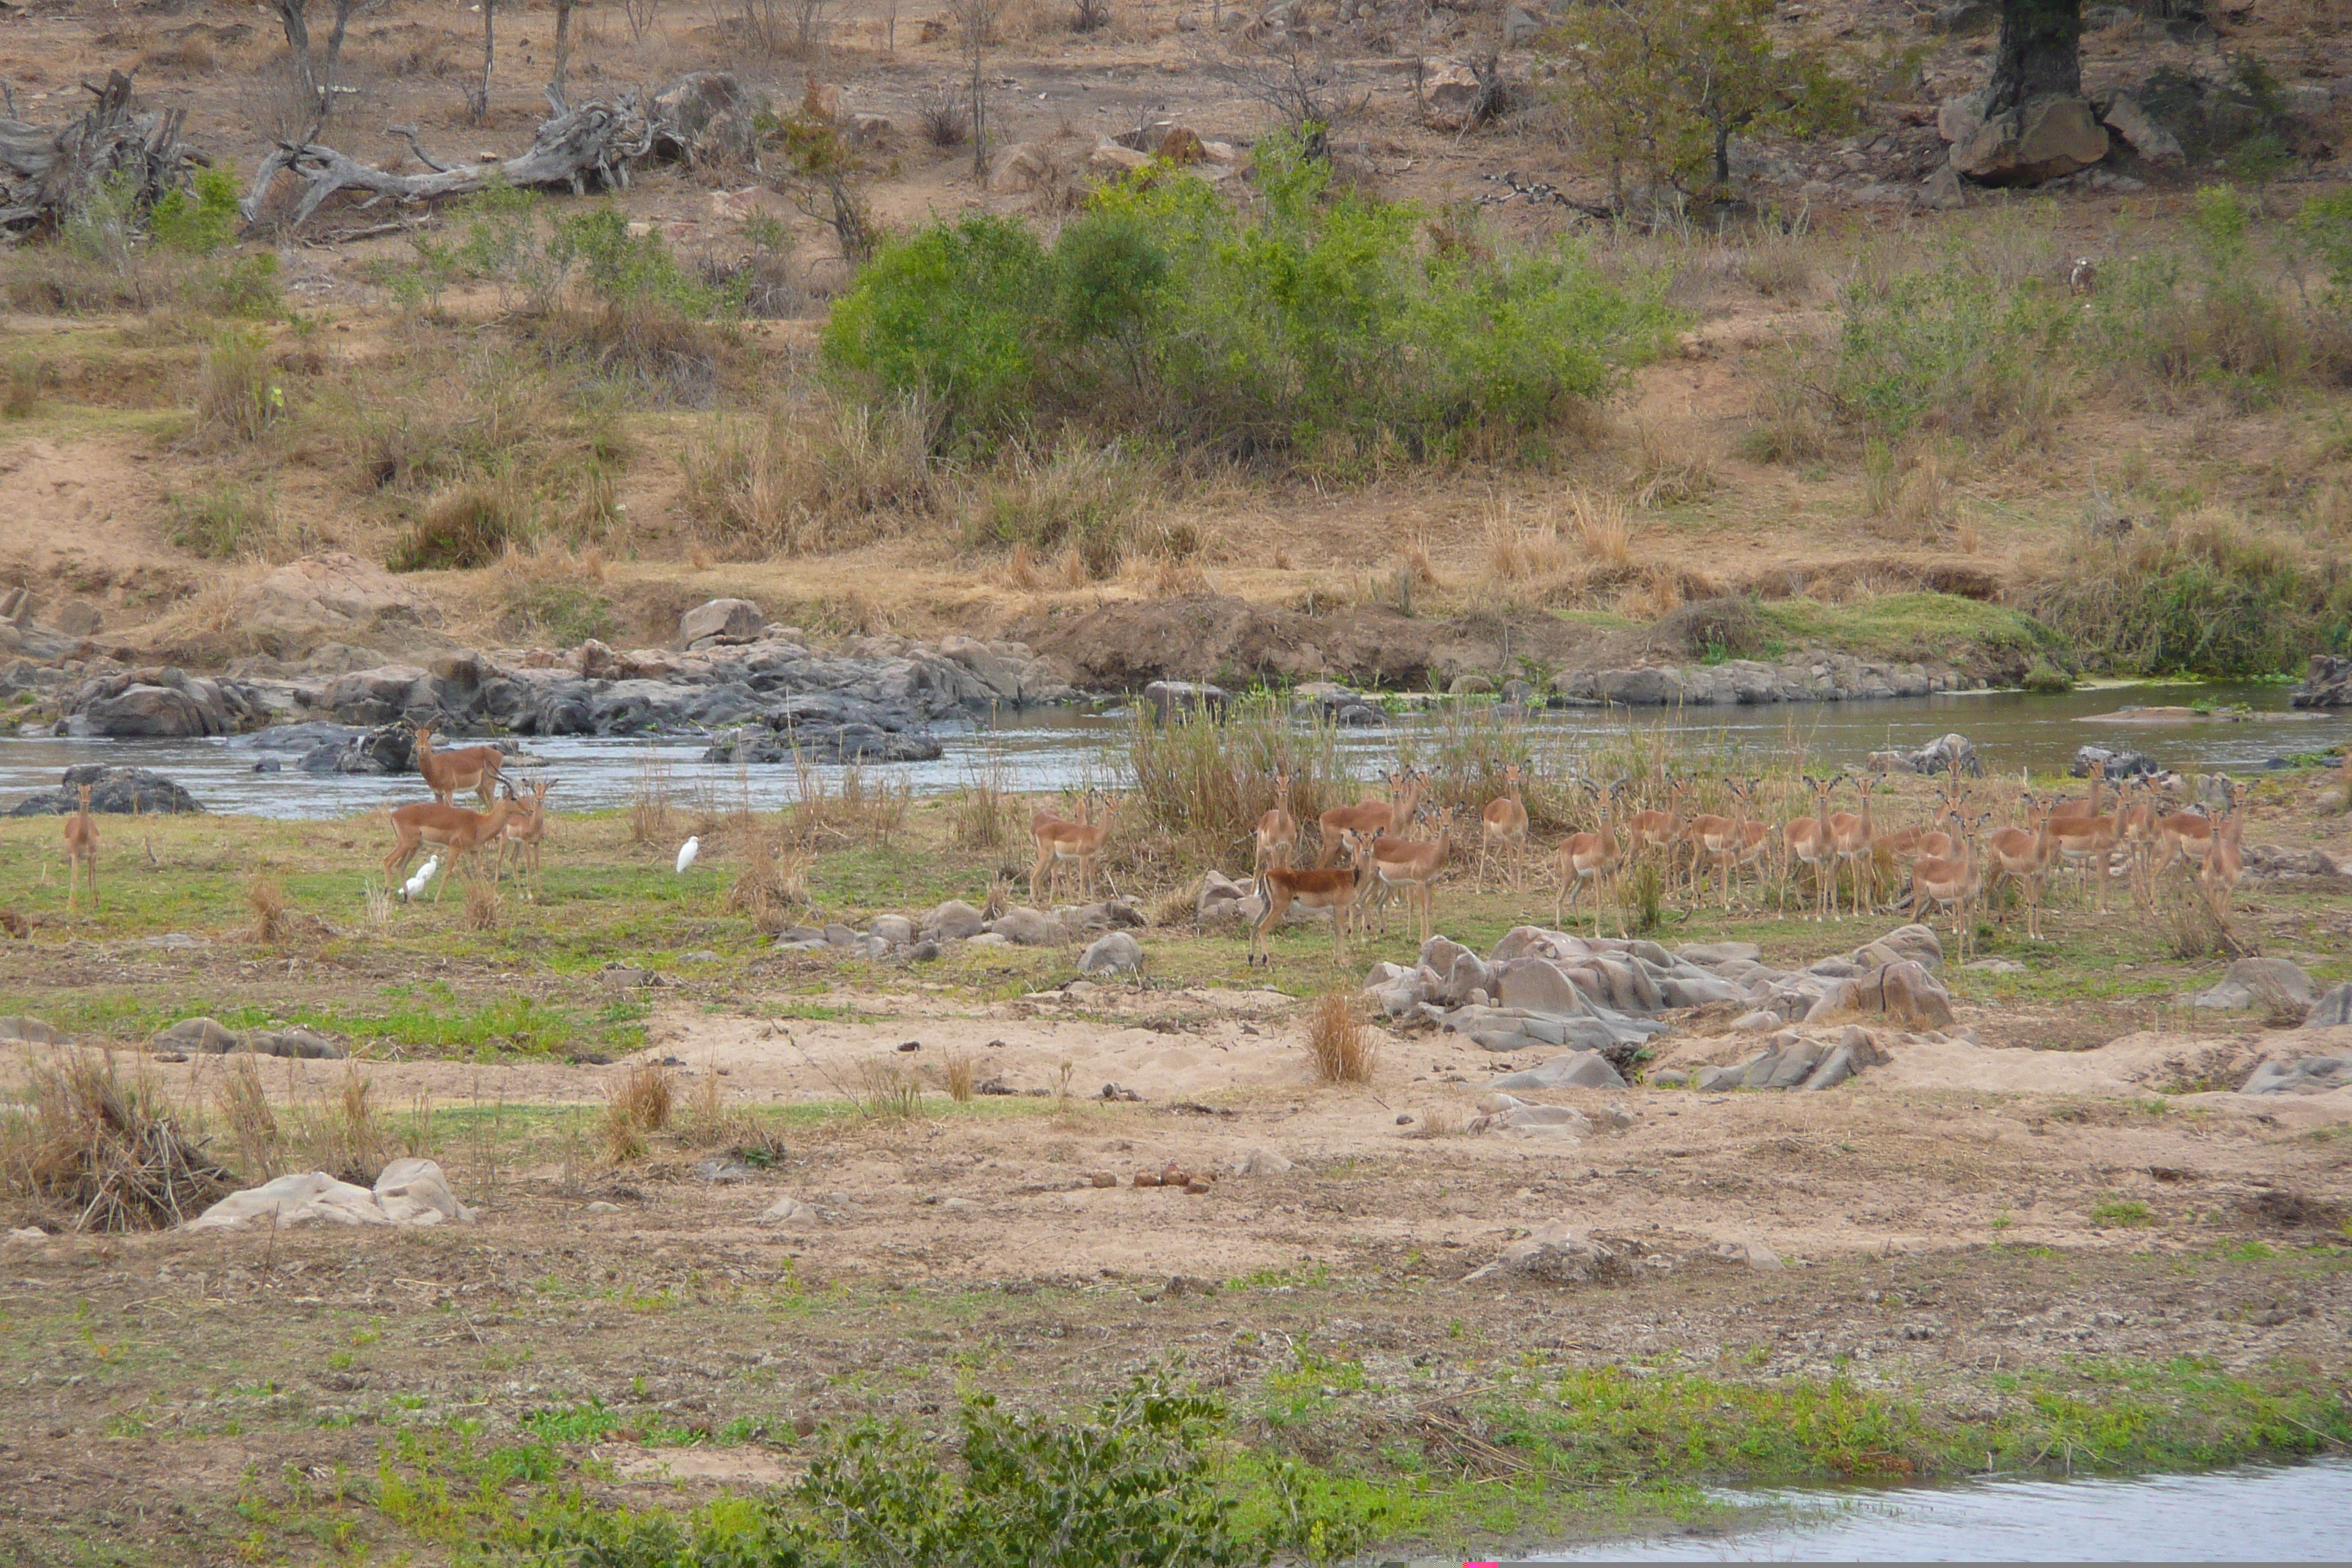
(451, 827)
(1956, 883)
(446, 773)
(1334, 889)
(82, 850)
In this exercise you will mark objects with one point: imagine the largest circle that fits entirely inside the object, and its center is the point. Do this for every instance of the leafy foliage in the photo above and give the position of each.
(1949, 348)
(1660, 87)
(201, 222)
(1326, 324)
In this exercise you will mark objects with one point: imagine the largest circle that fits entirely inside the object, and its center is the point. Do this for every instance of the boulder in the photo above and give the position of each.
(196, 1036)
(298, 1044)
(1018, 168)
(892, 930)
(736, 618)
(1958, 119)
(1260, 1162)
(2267, 981)
(707, 113)
(1115, 954)
(1746, 1254)
(2326, 683)
(1166, 699)
(414, 1192)
(313, 1196)
(333, 593)
(2304, 1075)
(2152, 143)
(17, 1029)
(1935, 758)
(1538, 985)
(1905, 992)
(790, 1210)
(2333, 1011)
(1451, 95)
(2039, 140)
(954, 922)
(1911, 944)
(1027, 927)
(869, 129)
(1570, 1069)
(119, 790)
(1557, 1252)
(2119, 765)
(1559, 1120)
(1115, 161)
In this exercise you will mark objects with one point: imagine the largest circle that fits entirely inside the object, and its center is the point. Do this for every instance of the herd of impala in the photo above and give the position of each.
(1393, 847)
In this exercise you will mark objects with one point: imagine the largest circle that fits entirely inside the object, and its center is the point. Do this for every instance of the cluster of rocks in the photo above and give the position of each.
(1937, 758)
(1807, 677)
(1025, 166)
(2298, 1070)
(2118, 764)
(2326, 683)
(1563, 1254)
(209, 1037)
(407, 1192)
(1791, 1061)
(1108, 923)
(129, 792)
(1540, 987)
(730, 668)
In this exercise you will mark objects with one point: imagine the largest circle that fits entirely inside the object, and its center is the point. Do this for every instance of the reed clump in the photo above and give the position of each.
(103, 1151)
(1343, 1049)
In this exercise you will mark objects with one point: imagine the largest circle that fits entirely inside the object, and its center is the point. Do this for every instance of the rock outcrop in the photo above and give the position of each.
(2040, 140)
(406, 1192)
(159, 703)
(1812, 678)
(2327, 683)
(122, 791)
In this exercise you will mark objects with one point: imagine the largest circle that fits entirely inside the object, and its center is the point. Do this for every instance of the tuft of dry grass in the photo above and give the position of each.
(1343, 1049)
(650, 818)
(1435, 1122)
(959, 1067)
(106, 1152)
(1603, 531)
(252, 1125)
(803, 483)
(1667, 468)
(239, 397)
(887, 1091)
(265, 895)
(485, 909)
(1521, 549)
(1414, 565)
(772, 881)
(637, 1105)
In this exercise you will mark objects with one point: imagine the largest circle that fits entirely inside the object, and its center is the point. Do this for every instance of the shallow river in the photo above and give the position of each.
(1049, 749)
(2300, 1513)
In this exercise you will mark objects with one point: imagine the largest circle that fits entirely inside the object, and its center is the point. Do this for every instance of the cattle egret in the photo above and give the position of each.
(685, 854)
(422, 880)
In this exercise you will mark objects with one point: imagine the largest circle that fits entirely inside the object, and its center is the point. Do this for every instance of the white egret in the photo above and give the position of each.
(422, 880)
(685, 854)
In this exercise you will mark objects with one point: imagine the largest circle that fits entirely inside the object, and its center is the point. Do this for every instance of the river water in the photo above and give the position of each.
(2300, 1513)
(1056, 748)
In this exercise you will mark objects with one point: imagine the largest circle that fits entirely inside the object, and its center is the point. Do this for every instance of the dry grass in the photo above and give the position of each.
(850, 808)
(265, 895)
(805, 482)
(772, 881)
(887, 1091)
(1603, 534)
(103, 1152)
(253, 1126)
(239, 396)
(486, 909)
(639, 1104)
(650, 818)
(959, 1069)
(1435, 1122)
(1525, 547)
(341, 1131)
(1343, 1049)
(1414, 565)
(1667, 468)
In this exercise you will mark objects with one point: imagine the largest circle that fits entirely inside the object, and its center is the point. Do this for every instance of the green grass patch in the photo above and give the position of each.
(1906, 626)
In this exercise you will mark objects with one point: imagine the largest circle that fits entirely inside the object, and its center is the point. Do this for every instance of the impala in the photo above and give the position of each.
(1660, 830)
(1807, 840)
(1716, 838)
(475, 768)
(1596, 857)
(1059, 839)
(1853, 838)
(1278, 830)
(449, 828)
(2224, 864)
(1957, 882)
(82, 850)
(1755, 837)
(2089, 843)
(1371, 817)
(1411, 865)
(1331, 888)
(524, 833)
(2023, 855)
(1505, 823)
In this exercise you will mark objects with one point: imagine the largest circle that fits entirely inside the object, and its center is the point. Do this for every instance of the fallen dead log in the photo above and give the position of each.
(590, 146)
(48, 172)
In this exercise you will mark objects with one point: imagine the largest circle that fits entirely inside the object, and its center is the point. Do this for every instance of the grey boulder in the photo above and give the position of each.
(1569, 1070)
(1113, 953)
(737, 618)
(1557, 1252)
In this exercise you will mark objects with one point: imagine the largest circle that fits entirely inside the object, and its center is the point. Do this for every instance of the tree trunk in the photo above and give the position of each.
(562, 52)
(344, 9)
(2040, 55)
(489, 51)
(291, 16)
(47, 172)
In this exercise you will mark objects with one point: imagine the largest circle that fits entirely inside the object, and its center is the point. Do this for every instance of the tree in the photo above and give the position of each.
(975, 22)
(563, 52)
(2040, 54)
(318, 80)
(1663, 86)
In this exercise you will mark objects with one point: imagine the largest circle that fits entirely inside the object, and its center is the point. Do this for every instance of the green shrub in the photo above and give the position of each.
(1326, 326)
(2044, 676)
(2206, 595)
(222, 523)
(239, 397)
(1953, 348)
(562, 615)
(202, 221)
(2210, 318)
(2325, 224)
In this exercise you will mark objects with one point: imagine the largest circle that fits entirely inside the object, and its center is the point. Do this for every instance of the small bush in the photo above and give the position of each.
(2210, 318)
(1954, 348)
(201, 221)
(469, 526)
(226, 522)
(945, 119)
(887, 1091)
(2046, 678)
(1082, 498)
(2123, 1212)
(639, 1105)
(1343, 1049)
(23, 394)
(102, 1153)
(239, 397)
(265, 895)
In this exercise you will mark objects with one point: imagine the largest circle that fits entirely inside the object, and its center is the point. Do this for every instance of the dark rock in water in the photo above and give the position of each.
(2120, 765)
(1360, 716)
(166, 704)
(270, 765)
(2327, 684)
(385, 750)
(124, 791)
(826, 743)
(298, 737)
(1168, 698)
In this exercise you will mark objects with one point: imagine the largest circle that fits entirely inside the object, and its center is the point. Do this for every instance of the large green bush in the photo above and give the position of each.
(1949, 348)
(1317, 323)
